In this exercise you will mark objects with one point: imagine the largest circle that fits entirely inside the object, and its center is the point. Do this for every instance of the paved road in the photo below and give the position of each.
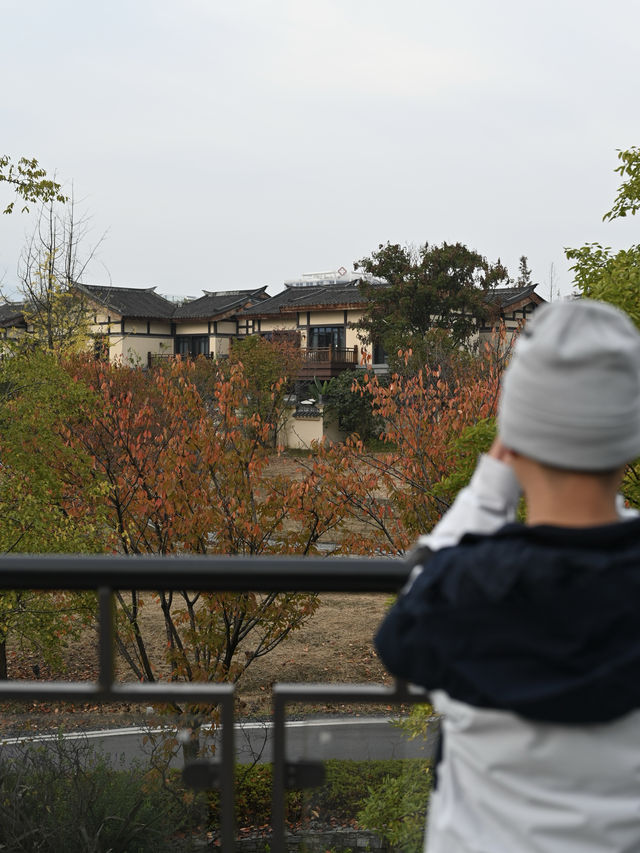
(346, 738)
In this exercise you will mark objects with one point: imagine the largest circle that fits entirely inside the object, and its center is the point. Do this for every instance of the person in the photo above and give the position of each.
(527, 636)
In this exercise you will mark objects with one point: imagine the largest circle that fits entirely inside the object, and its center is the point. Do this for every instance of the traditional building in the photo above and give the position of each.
(140, 325)
(137, 325)
(322, 311)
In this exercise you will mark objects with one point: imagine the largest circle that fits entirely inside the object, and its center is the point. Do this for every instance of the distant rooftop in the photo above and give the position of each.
(218, 302)
(130, 301)
(340, 276)
(315, 292)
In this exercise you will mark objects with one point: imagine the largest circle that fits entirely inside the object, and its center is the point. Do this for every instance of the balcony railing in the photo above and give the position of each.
(327, 361)
(105, 574)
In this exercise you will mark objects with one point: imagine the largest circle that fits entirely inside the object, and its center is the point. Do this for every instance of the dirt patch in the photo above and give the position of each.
(334, 646)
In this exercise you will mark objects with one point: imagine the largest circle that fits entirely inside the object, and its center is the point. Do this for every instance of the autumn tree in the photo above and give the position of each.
(431, 287)
(186, 476)
(29, 181)
(434, 428)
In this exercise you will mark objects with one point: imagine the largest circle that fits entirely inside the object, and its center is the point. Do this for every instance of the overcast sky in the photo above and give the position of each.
(232, 144)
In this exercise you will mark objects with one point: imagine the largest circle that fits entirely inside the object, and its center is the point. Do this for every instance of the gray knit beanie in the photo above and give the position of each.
(571, 393)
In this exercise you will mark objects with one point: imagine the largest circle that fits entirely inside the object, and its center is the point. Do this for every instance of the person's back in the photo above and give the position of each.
(528, 636)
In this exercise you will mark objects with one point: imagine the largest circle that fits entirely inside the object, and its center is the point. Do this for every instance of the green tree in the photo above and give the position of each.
(52, 264)
(600, 273)
(524, 273)
(348, 404)
(429, 288)
(628, 198)
(38, 513)
(270, 368)
(29, 181)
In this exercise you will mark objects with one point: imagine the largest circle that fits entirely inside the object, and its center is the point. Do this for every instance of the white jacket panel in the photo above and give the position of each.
(508, 785)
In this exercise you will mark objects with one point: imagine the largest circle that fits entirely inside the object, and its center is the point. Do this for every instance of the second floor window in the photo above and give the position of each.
(323, 337)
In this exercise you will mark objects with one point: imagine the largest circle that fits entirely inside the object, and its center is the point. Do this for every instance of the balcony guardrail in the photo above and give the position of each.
(323, 355)
(106, 574)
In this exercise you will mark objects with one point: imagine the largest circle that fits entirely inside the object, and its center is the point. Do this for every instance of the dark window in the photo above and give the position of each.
(323, 337)
(190, 346)
(379, 355)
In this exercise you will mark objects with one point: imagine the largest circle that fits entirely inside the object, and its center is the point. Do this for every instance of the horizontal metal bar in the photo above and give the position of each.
(215, 572)
(87, 691)
(398, 694)
(284, 693)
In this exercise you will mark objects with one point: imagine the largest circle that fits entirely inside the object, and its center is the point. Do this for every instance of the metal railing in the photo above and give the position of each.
(107, 574)
(342, 355)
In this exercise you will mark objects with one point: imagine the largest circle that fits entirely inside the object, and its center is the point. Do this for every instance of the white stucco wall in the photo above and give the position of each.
(192, 328)
(300, 433)
(326, 318)
(134, 350)
(278, 323)
(219, 346)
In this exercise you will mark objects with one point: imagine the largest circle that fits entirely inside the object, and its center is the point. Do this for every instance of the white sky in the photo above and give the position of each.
(233, 144)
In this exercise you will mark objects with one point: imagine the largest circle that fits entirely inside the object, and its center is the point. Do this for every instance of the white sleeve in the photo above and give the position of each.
(484, 506)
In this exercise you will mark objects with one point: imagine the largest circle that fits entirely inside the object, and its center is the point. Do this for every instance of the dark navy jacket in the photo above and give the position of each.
(542, 621)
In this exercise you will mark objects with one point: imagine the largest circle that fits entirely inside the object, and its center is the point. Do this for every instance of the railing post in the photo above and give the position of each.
(105, 638)
(278, 790)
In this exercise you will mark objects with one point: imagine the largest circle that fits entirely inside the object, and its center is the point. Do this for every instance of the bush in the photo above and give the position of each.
(396, 808)
(65, 796)
(348, 788)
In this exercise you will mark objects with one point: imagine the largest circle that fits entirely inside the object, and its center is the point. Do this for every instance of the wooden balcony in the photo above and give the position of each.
(327, 362)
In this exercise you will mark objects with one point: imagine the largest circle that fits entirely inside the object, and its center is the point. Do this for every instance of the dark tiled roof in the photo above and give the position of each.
(504, 297)
(219, 302)
(131, 301)
(329, 295)
(11, 314)
(311, 296)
